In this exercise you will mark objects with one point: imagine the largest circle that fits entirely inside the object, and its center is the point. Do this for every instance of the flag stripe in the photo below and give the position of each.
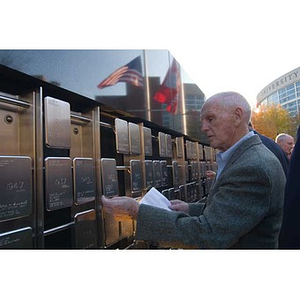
(130, 73)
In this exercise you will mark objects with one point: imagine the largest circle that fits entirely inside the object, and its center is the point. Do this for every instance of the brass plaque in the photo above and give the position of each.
(168, 145)
(17, 239)
(59, 188)
(157, 173)
(164, 173)
(57, 123)
(149, 173)
(122, 136)
(175, 173)
(188, 149)
(207, 153)
(179, 149)
(147, 141)
(111, 229)
(182, 192)
(203, 169)
(109, 177)
(85, 230)
(15, 187)
(126, 228)
(136, 178)
(134, 138)
(201, 156)
(171, 194)
(187, 173)
(166, 193)
(162, 144)
(84, 180)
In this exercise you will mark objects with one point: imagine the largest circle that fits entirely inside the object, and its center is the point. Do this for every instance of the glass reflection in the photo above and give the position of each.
(149, 84)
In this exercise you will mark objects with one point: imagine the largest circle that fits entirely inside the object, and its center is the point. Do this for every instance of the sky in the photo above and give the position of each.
(222, 45)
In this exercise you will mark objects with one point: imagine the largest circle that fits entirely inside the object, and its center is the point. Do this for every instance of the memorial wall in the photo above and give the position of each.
(61, 150)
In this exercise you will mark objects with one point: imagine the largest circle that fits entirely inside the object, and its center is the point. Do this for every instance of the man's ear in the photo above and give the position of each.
(238, 116)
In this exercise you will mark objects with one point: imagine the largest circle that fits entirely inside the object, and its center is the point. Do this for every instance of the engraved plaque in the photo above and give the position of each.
(59, 188)
(136, 176)
(168, 145)
(111, 229)
(134, 138)
(166, 193)
(147, 141)
(57, 123)
(179, 149)
(122, 136)
(162, 144)
(171, 194)
(187, 178)
(157, 173)
(203, 169)
(164, 172)
(194, 150)
(85, 230)
(84, 180)
(188, 149)
(207, 153)
(17, 239)
(201, 156)
(182, 192)
(109, 177)
(15, 187)
(149, 173)
(175, 173)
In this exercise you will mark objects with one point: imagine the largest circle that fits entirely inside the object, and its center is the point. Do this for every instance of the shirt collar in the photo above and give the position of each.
(224, 156)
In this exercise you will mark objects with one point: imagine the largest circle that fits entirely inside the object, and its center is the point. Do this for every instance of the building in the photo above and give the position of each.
(285, 91)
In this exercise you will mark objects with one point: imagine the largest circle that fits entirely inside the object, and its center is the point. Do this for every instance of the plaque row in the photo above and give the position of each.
(128, 138)
(63, 188)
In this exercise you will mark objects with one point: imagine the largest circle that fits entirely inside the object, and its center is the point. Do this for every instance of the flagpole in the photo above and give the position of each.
(183, 105)
(147, 90)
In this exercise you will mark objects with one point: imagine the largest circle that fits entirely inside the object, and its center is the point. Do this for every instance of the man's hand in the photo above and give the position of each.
(121, 208)
(179, 205)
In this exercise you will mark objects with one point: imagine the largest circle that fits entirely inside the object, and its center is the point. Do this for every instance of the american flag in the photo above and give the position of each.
(130, 73)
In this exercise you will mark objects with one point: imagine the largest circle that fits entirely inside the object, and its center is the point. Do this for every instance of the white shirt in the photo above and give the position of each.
(223, 157)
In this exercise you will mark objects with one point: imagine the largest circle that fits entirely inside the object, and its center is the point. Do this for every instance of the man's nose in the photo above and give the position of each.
(204, 126)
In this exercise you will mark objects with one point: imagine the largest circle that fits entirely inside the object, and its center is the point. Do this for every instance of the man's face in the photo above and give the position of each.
(217, 124)
(287, 144)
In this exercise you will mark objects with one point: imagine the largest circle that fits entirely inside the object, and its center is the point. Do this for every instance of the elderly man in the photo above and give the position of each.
(286, 142)
(245, 204)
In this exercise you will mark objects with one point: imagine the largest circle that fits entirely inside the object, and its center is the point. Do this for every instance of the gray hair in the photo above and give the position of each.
(281, 137)
(233, 99)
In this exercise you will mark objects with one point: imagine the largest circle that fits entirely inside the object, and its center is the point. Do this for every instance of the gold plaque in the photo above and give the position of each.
(57, 123)
(85, 230)
(15, 187)
(134, 138)
(168, 145)
(147, 141)
(162, 144)
(122, 136)
(109, 177)
(136, 176)
(59, 188)
(84, 180)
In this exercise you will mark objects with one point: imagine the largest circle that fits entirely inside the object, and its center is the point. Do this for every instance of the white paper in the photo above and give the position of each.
(155, 198)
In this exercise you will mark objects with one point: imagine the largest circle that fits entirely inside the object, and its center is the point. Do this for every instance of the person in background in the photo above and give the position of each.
(286, 142)
(290, 231)
(244, 207)
(275, 148)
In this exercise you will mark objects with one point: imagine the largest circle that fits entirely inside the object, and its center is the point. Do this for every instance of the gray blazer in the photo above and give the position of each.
(243, 209)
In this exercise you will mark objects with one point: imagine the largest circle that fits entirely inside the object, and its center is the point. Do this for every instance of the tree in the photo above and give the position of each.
(270, 120)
